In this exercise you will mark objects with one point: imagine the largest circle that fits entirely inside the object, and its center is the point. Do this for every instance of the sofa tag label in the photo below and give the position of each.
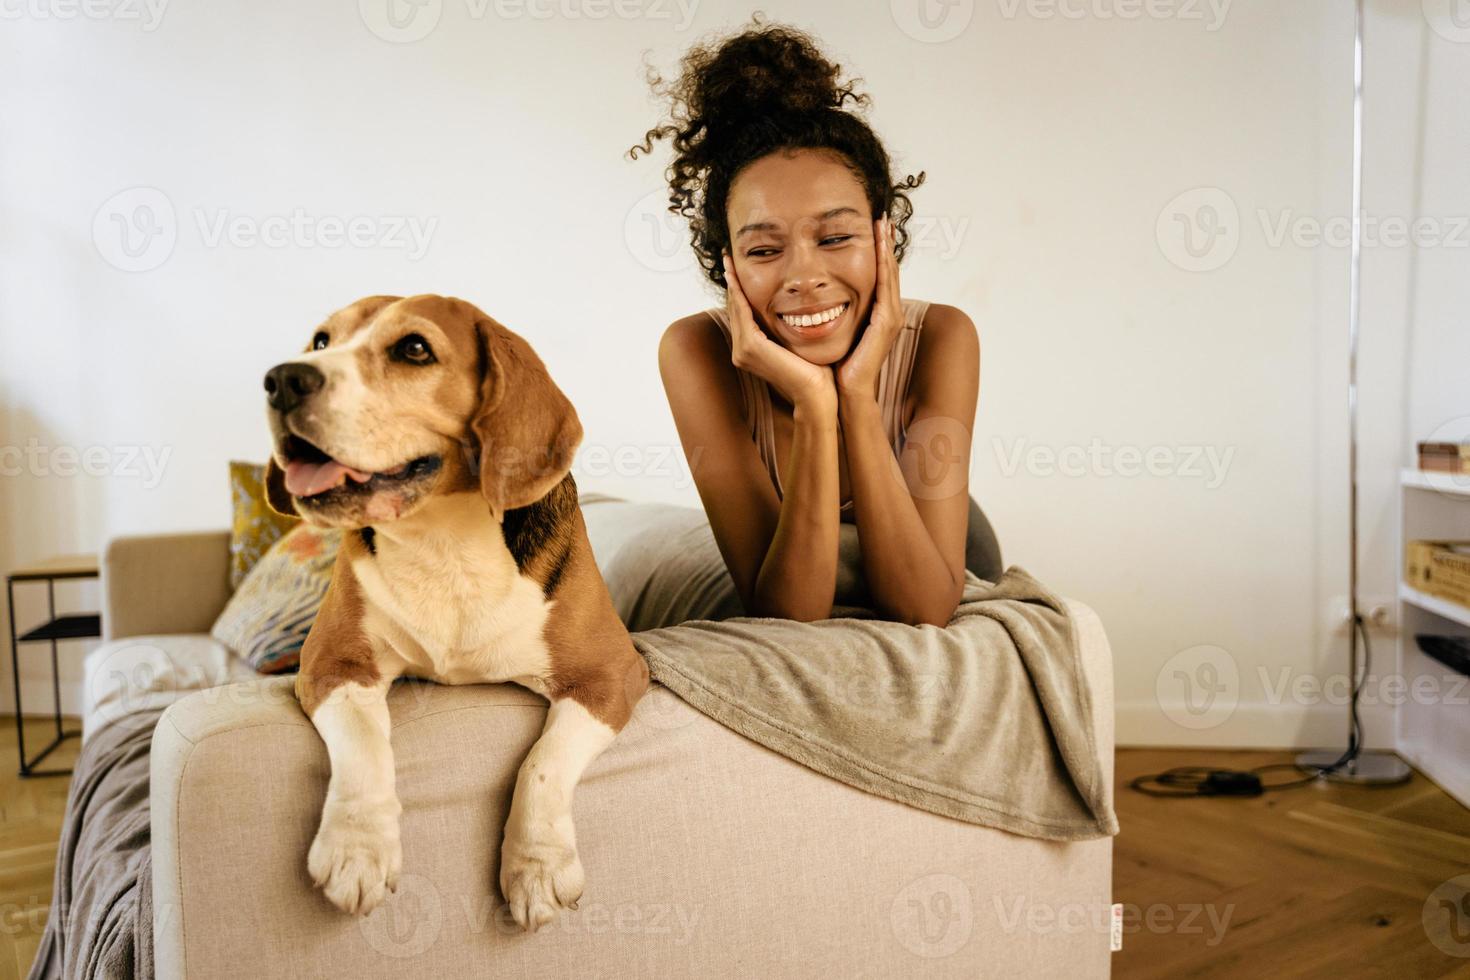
(1117, 927)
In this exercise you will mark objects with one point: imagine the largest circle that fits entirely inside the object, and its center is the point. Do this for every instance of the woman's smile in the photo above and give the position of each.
(815, 323)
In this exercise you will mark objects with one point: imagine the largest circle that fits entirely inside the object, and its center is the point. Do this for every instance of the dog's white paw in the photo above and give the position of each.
(357, 855)
(539, 877)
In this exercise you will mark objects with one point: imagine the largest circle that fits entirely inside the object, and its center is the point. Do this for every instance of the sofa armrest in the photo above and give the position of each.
(164, 583)
(706, 854)
(1096, 655)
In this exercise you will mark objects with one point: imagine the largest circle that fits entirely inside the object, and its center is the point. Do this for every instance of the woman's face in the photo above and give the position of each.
(801, 236)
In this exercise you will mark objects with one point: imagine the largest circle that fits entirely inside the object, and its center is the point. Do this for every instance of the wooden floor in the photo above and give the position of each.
(1324, 880)
(1320, 881)
(30, 825)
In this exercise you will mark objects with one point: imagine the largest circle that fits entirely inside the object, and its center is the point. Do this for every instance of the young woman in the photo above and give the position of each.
(794, 401)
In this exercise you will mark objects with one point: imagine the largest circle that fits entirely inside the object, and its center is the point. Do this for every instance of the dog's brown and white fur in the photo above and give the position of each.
(464, 560)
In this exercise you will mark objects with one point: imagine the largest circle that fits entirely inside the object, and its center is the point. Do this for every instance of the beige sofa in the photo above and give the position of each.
(707, 855)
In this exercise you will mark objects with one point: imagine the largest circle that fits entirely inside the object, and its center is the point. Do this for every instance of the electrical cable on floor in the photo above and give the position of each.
(1207, 781)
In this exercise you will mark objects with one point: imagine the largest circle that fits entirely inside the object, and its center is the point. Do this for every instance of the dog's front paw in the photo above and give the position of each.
(357, 856)
(539, 877)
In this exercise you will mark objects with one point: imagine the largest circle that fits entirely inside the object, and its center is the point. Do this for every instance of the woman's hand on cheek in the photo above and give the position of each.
(798, 380)
(857, 373)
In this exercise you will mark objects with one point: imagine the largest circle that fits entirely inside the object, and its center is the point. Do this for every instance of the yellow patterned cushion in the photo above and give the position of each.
(267, 619)
(255, 526)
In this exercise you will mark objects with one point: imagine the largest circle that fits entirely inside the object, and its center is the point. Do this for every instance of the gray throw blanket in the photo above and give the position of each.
(988, 720)
(101, 918)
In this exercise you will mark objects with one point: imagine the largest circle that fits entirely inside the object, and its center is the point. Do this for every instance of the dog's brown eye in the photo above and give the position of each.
(413, 349)
(319, 342)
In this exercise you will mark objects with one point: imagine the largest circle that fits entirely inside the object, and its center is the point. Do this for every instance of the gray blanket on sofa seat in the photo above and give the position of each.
(987, 720)
(101, 918)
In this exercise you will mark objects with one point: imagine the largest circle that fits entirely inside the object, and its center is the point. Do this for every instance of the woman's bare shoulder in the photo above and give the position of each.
(697, 337)
(694, 357)
(947, 358)
(949, 325)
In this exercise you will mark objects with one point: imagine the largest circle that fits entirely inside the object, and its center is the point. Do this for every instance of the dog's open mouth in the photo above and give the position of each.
(314, 476)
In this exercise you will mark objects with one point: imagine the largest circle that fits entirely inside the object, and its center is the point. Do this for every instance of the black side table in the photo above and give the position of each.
(74, 626)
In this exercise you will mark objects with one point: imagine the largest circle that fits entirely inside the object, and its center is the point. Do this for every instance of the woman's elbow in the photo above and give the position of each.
(776, 609)
(796, 615)
(937, 612)
(927, 618)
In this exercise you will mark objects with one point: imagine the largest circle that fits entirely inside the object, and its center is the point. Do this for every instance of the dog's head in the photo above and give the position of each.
(396, 400)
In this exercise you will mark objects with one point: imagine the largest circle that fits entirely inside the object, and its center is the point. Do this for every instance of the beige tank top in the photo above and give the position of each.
(893, 388)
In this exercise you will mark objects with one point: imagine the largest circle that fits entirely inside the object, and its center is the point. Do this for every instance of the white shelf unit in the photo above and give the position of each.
(1442, 608)
(1455, 484)
(1434, 717)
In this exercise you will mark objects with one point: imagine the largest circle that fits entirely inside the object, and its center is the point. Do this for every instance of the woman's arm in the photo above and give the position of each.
(782, 554)
(913, 520)
(798, 579)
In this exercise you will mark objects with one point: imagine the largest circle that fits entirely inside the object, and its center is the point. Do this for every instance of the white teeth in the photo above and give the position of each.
(815, 319)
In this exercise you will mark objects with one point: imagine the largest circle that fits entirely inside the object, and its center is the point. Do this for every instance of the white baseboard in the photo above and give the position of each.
(1255, 726)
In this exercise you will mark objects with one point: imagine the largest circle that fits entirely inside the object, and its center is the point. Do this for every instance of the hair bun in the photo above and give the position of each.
(766, 75)
(777, 69)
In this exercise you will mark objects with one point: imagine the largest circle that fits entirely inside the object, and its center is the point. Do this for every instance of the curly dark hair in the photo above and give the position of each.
(740, 98)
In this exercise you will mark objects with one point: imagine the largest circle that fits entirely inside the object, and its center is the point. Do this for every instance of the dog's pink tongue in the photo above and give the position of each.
(309, 479)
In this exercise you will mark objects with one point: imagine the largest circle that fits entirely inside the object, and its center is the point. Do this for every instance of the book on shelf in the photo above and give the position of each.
(1439, 568)
(1444, 457)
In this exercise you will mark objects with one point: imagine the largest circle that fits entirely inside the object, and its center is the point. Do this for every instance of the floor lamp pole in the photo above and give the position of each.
(1354, 765)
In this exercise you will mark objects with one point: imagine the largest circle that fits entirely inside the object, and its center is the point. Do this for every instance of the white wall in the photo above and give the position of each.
(1054, 147)
(1436, 304)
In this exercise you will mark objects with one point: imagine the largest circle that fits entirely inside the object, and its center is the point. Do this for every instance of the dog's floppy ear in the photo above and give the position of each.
(276, 494)
(527, 429)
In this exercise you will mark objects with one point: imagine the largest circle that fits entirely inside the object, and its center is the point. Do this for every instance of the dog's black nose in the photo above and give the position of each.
(287, 384)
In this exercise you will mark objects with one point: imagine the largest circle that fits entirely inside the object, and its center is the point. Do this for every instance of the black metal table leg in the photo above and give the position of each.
(28, 766)
(20, 728)
(55, 673)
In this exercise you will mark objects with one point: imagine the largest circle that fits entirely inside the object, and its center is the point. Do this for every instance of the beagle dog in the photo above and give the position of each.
(436, 439)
